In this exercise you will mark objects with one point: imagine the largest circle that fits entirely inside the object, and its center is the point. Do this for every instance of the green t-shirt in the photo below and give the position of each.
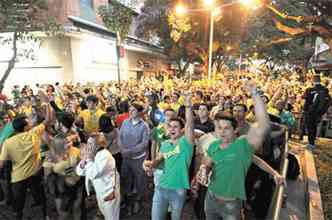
(230, 167)
(6, 132)
(177, 160)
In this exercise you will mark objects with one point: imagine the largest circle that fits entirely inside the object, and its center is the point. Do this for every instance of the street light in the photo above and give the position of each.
(214, 11)
(209, 3)
(180, 10)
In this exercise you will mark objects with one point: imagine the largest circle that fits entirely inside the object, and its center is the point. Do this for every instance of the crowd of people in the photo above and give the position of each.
(218, 142)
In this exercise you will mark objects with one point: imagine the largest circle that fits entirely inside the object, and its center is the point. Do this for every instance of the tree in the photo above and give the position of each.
(285, 30)
(186, 38)
(117, 17)
(20, 18)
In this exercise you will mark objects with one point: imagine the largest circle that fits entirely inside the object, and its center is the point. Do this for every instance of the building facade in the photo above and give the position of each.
(86, 52)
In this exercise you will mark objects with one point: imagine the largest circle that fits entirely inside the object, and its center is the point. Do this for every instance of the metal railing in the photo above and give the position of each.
(278, 195)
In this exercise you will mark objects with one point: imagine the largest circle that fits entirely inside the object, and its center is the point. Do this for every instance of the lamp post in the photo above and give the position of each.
(211, 44)
(180, 9)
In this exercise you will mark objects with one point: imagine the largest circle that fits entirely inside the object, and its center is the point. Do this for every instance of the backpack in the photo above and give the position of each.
(323, 101)
(293, 170)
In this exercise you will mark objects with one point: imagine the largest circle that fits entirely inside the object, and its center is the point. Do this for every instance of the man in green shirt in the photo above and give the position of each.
(229, 159)
(176, 154)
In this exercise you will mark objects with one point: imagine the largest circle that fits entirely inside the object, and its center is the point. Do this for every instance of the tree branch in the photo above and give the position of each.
(11, 63)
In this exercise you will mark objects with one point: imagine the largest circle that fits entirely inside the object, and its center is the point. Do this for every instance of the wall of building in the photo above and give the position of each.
(94, 59)
(51, 63)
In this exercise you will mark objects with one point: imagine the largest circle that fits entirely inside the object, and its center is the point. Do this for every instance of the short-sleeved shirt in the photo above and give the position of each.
(177, 160)
(24, 151)
(91, 119)
(230, 166)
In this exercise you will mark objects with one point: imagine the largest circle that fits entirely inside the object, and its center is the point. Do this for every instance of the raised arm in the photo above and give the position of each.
(256, 133)
(189, 127)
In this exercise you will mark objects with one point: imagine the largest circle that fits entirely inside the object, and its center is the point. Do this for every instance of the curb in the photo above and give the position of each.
(313, 197)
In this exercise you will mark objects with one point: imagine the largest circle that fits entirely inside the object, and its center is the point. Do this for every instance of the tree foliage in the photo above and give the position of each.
(279, 31)
(117, 17)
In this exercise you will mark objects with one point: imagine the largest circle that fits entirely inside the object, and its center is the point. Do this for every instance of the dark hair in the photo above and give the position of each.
(204, 104)
(105, 124)
(19, 123)
(200, 93)
(51, 87)
(166, 97)
(65, 118)
(86, 91)
(221, 116)
(245, 108)
(110, 109)
(2, 115)
(178, 119)
(124, 106)
(138, 107)
(92, 98)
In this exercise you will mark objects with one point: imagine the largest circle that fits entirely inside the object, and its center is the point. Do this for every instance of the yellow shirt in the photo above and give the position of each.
(67, 166)
(91, 119)
(272, 110)
(24, 151)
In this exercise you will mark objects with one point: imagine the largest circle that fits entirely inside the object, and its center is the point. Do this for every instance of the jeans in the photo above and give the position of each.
(133, 177)
(162, 198)
(216, 208)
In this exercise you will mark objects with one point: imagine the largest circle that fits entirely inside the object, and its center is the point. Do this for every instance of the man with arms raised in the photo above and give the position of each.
(176, 153)
(229, 159)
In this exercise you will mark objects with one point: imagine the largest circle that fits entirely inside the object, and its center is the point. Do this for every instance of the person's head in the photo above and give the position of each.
(3, 119)
(92, 102)
(175, 97)
(27, 101)
(167, 99)
(86, 91)
(199, 95)
(169, 113)
(153, 99)
(111, 112)
(124, 106)
(203, 111)
(64, 121)
(175, 128)
(280, 105)
(225, 127)
(105, 124)
(21, 124)
(50, 89)
(134, 110)
(316, 79)
(265, 99)
(239, 111)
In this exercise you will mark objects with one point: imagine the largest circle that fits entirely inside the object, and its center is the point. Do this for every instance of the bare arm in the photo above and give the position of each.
(256, 134)
(189, 127)
(277, 95)
(263, 165)
(267, 168)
